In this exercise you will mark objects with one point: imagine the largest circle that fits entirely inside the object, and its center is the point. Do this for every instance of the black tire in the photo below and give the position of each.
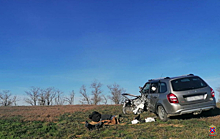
(162, 114)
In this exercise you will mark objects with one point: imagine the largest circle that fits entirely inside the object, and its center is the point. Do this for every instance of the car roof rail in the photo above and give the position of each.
(159, 78)
(187, 75)
(169, 77)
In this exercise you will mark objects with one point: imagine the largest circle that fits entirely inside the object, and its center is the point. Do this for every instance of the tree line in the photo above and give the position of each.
(51, 96)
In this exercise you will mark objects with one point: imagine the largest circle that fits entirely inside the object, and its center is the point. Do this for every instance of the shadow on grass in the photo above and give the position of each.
(204, 114)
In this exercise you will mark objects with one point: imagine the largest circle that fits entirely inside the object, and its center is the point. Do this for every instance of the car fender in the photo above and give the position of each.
(160, 104)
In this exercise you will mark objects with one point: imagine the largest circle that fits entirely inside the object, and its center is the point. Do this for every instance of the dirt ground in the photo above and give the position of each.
(42, 113)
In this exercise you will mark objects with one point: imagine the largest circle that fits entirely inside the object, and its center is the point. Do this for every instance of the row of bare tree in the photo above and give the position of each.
(96, 96)
(48, 96)
(51, 96)
(6, 98)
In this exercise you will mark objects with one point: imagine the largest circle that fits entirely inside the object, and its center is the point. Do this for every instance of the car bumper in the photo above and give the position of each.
(198, 110)
(177, 109)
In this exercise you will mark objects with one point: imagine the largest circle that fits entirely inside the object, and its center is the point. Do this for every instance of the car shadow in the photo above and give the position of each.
(204, 114)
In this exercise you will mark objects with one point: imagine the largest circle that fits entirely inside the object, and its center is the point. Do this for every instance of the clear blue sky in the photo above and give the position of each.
(68, 43)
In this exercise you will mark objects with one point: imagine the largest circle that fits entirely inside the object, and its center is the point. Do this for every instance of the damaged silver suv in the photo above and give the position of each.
(173, 96)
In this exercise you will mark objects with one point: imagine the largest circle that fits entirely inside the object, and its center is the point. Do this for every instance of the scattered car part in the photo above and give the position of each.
(149, 119)
(135, 121)
(136, 105)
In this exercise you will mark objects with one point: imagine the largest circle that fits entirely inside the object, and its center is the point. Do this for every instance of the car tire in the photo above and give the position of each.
(162, 113)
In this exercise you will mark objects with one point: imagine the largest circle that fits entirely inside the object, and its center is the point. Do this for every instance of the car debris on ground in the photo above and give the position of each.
(149, 119)
(99, 120)
(135, 121)
(138, 120)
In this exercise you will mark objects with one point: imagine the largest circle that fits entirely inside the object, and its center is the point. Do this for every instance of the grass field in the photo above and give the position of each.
(68, 122)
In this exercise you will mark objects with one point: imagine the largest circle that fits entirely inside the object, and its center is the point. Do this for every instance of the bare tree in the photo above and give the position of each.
(70, 99)
(0, 98)
(96, 98)
(46, 96)
(50, 95)
(116, 92)
(59, 99)
(1, 101)
(42, 98)
(14, 100)
(32, 95)
(85, 98)
(5, 98)
(104, 100)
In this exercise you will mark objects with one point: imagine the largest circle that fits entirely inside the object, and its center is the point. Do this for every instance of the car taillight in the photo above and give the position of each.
(212, 93)
(172, 98)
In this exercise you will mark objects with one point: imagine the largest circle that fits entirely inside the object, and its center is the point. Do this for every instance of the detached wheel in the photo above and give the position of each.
(127, 110)
(162, 113)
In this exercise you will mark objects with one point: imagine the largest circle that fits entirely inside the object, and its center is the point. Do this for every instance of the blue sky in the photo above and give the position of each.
(68, 43)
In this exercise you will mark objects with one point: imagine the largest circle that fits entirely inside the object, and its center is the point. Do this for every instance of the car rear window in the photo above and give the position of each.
(188, 83)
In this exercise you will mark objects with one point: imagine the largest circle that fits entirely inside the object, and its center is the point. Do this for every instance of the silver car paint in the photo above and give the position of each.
(183, 106)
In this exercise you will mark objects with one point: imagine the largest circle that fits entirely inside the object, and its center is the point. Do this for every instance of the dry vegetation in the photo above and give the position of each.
(42, 113)
(68, 122)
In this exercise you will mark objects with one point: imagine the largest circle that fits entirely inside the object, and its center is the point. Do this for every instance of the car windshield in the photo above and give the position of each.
(188, 83)
(145, 88)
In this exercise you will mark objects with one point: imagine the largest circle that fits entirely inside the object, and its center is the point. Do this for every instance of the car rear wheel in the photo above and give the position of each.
(162, 113)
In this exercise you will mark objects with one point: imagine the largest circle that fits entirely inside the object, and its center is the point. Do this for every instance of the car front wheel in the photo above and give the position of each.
(127, 110)
(162, 113)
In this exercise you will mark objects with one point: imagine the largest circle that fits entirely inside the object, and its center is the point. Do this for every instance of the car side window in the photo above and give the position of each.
(163, 87)
(154, 88)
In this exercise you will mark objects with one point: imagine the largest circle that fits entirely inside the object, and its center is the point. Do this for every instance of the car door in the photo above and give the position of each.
(153, 96)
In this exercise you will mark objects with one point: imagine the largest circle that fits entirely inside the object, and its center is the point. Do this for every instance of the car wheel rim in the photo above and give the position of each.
(161, 113)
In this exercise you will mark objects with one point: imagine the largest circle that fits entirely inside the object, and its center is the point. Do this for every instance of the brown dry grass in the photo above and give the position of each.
(42, 113)
(172, 125)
